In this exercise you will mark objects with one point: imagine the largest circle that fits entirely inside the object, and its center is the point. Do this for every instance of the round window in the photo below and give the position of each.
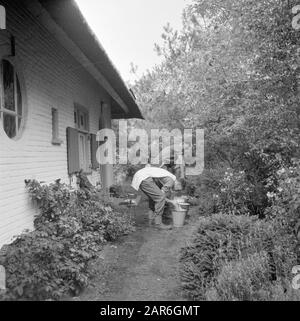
(11, 108)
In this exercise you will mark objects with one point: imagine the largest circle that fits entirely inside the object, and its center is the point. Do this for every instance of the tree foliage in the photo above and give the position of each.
(233, 70)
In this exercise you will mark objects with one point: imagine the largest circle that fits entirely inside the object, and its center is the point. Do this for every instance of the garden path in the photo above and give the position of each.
(142, 266)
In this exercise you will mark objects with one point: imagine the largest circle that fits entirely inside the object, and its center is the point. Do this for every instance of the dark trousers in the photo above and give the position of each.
(156, 190)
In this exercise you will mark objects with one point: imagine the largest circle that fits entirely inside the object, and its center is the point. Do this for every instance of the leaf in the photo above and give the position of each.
(19, 290)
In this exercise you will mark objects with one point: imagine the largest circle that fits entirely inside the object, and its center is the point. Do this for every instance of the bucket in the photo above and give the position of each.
(178, 218)
(180, 199)
(184, 206)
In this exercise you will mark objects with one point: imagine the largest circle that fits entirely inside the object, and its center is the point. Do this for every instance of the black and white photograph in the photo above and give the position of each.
(149, 154)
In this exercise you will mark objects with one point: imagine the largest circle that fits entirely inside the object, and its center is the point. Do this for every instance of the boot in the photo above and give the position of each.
(151, 217)
(159, 224)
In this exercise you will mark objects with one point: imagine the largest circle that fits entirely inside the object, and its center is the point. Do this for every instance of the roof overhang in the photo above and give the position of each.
(64, 19)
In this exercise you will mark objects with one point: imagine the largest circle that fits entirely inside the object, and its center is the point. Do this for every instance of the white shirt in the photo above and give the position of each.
(147, 172)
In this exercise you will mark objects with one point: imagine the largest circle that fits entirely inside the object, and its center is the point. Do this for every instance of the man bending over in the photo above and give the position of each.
(156, 183)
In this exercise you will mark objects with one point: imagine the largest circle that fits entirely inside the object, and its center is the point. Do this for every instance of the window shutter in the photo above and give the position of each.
(94, 147)
(73, 150)
(7, 43)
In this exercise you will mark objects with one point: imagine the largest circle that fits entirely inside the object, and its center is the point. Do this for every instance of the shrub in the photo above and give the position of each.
(279, 291)
(235, 192)
(203, 191)
(241, 280)
(69, 231)
(190, 187)
(285, 201)
(224, 190)
(223, 239)
(248, 279)
(207, 182)
(116, 191)
(208, 204)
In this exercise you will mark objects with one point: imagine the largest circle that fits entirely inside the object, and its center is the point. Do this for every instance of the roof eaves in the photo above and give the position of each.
(68, 16)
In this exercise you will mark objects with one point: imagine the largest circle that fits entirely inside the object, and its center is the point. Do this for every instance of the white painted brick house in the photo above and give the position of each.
(58, 88)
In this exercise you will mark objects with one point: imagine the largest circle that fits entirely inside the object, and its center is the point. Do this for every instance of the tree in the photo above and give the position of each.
(232, 71)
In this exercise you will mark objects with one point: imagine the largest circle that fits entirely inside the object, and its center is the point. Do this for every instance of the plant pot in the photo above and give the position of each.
(178, 218)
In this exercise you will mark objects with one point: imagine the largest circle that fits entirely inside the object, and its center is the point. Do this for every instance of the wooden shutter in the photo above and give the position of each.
(7, 43)
(94, 147)
(73, 150)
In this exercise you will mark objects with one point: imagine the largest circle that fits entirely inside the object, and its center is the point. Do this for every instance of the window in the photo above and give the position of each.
(82, 143)
(55, 128)
(11, 108)
(81, 118)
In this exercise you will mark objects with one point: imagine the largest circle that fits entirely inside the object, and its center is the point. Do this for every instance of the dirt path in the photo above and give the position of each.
(142, 266)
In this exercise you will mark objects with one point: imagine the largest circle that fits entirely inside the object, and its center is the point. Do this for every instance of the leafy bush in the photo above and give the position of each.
(242, 279)
(116, 191)
(235, 192)
(208, 204)
(69, 231)
(223, 239)
(246, 258)
(232, 191)
(285, 201)
(190, 187)
(207, 182)
(248, 279)
(203, 191)
(251, 125)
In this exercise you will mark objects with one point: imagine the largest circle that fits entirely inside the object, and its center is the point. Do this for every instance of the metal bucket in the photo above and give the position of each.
(180, 199)
(179, 214)
(178, 218)
(184, 206)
